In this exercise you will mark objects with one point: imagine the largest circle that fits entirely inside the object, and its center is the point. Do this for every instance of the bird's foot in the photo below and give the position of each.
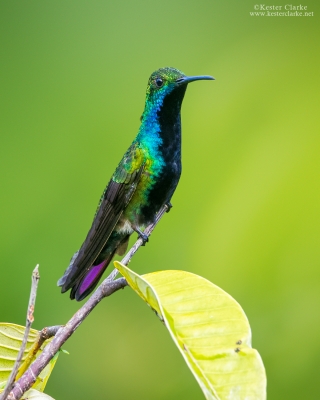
(169, 206)
(143, 236)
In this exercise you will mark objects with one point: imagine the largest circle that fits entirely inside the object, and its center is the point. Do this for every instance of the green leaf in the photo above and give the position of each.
(209, 328)
(11, 336)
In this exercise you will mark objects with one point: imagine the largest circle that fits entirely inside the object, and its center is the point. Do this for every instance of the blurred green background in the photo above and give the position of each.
(246, 212)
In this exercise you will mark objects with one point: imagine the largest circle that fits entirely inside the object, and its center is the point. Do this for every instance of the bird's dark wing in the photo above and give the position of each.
(113, 201)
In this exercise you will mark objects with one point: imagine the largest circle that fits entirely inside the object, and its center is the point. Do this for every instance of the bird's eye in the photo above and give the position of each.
(158, 82)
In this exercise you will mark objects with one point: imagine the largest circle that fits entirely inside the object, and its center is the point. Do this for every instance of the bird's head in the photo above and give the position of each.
(166, 81)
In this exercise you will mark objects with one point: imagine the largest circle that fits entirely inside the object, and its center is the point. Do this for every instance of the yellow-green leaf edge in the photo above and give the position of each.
(11, 336)
(209, 328)
(33, 394)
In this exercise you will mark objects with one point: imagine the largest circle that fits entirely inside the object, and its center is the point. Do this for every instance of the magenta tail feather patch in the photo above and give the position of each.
(91, 277)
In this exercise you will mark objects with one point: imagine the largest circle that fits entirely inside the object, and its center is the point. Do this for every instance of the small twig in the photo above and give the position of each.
(30, 319)
(44, 334)
(63, 334)
(107, 287)
(47, 333)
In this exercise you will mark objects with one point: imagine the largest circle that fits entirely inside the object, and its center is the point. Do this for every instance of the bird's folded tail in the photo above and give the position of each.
(82, 282)
(67, 272)
(87, 283)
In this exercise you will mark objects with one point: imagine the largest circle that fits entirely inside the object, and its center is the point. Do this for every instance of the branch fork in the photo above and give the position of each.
(62, 333)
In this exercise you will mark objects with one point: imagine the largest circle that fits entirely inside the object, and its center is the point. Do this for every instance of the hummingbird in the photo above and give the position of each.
(143, 182)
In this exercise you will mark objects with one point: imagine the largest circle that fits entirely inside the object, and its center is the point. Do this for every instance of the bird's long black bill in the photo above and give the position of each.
(188, 79)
